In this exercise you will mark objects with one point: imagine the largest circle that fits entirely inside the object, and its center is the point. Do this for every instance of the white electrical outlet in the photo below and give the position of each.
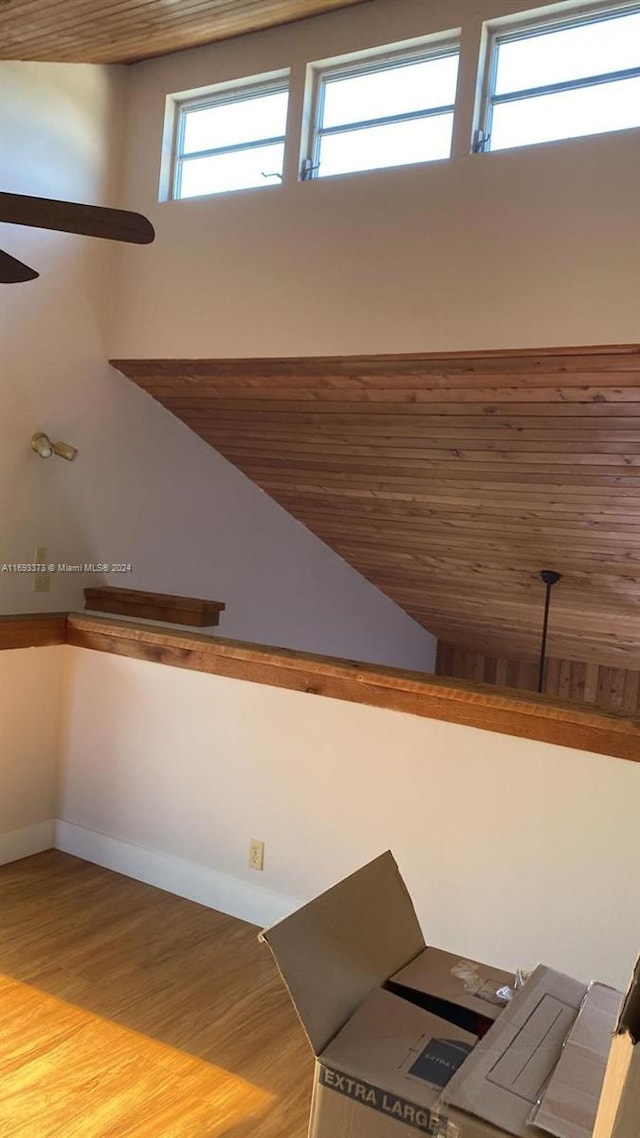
(256, 854)
(41, 581)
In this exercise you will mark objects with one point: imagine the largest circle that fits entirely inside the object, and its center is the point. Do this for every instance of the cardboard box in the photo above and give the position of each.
(383, 1013)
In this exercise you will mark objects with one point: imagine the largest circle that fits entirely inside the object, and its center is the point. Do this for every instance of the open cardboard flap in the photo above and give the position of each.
(334, 951)
(619, 1110)
(569, 1103)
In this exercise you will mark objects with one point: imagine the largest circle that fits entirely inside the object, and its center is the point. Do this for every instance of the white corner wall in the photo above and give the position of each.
(30, 713)
(514, 851)
(143, 490)
(530, 247)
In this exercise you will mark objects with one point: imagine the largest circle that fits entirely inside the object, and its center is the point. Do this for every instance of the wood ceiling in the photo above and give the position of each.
(449, 481)
(124, 31)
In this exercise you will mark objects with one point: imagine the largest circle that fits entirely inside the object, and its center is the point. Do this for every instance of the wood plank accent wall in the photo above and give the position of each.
(92, 31)
(417, 693)
(449, 481)
(617, 689)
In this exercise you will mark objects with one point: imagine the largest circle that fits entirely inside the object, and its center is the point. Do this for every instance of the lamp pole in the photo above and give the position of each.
(550, 578)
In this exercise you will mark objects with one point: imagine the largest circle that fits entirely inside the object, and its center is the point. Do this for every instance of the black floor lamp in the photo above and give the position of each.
(550, 578)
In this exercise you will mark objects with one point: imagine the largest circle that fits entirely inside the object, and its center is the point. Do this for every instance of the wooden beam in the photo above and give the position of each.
(523, 715)
(32, 630)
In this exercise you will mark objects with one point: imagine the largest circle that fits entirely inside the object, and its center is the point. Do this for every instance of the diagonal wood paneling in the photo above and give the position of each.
(123, 31)
(449, 481)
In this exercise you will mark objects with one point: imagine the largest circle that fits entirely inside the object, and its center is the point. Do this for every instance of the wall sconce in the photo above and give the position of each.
(43, 446)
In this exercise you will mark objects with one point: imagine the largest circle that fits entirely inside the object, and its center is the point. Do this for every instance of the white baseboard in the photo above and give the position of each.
(15, 844)
(185, 878)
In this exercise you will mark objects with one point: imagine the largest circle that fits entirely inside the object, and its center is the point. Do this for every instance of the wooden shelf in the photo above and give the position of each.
(154, 606)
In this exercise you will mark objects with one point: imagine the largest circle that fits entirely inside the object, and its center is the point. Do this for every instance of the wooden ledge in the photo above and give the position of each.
(523, 714)
(154, 606)
(33, 630)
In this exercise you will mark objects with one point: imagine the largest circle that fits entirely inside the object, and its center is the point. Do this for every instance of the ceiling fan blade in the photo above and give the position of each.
(72, 217)
(13, 271)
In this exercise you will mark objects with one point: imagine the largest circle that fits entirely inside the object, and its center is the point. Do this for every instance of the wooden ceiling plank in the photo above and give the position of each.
(620, 574)
(409, 426)
(127, 30)
(515, 617)
(246, 441)
(602, 528)
(506, 504)
(407, 412)
(520, 567)
(568, 609)
(534, 551)
(623, 563)
(443, 491)
(394, 394)
(594, 357)
(325, 437)
(333, 487)
(417, 458)
(411, 422)
(338, 386)
(418, 529)
(589, 588)
(464, 471)
(136, 18)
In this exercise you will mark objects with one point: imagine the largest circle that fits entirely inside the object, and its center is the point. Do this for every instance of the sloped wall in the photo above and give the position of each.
(143, 491)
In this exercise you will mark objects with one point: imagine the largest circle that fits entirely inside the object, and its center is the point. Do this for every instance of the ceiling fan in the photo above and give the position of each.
(67, 217)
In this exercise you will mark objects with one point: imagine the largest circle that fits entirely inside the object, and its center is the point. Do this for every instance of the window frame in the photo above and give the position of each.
(528, 28)
(220, 96)
(368, 64)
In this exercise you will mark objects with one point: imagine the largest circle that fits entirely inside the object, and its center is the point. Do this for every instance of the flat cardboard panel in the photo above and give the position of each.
(339, 947)
(503, 1079)
(570, 1101)
(452, 983)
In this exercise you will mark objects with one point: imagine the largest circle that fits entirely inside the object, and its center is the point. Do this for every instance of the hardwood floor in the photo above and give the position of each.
(126, 1012)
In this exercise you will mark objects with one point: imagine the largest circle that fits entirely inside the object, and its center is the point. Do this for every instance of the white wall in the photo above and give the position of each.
(56, 127)
(513, 850)
(530, 247)
(30, 711)
(143, 489)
